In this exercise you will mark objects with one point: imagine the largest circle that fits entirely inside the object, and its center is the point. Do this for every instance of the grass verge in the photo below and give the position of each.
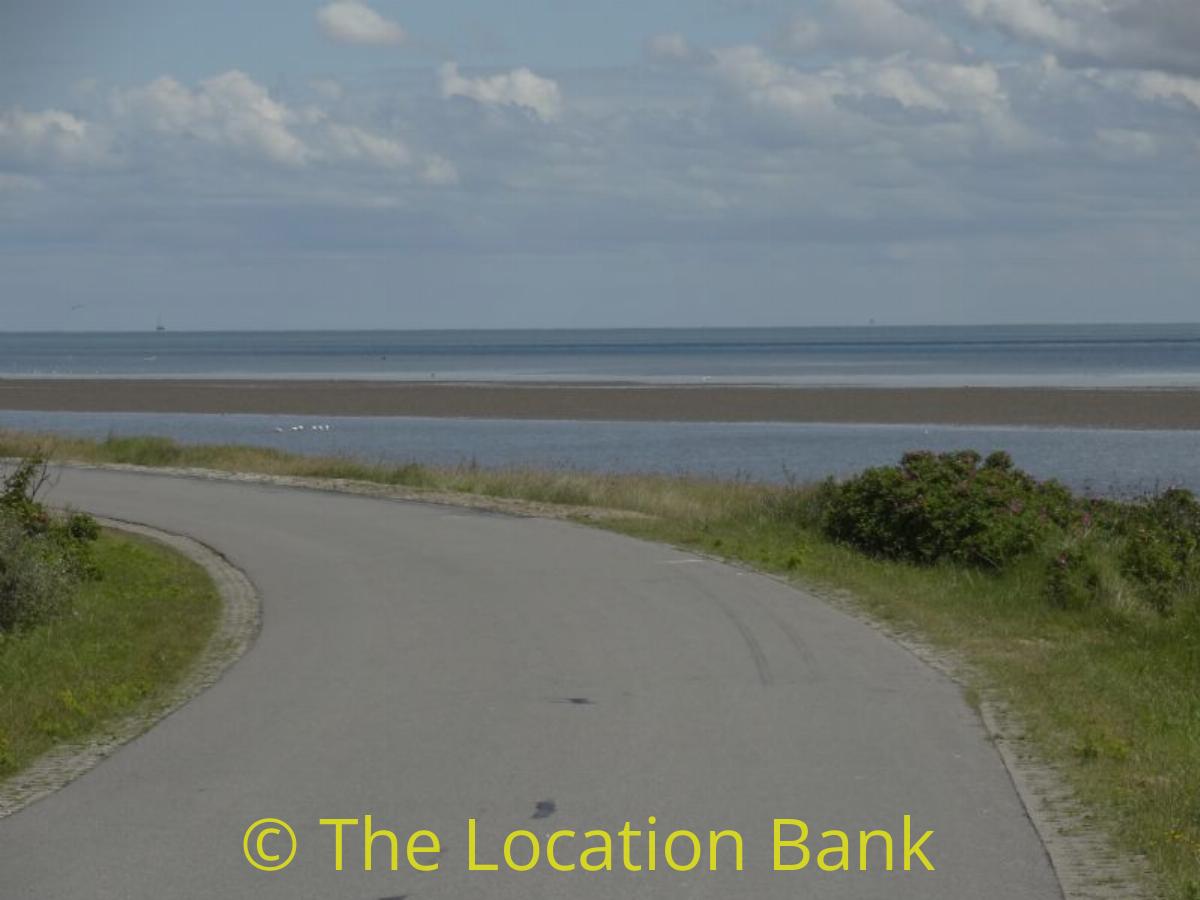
(1111, 699)
(128, 635)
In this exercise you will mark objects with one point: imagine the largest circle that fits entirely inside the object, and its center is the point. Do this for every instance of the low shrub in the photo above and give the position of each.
(985, 513)
(35, 578)
(947, 506)
(1083, 571)
(1162, 551)
(43, 557)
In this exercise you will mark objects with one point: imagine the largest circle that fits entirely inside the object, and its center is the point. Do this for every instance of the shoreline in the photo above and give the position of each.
(1122, 408)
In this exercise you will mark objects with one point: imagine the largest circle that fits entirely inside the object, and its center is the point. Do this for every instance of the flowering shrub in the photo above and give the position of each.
(961, 508)
(947, 506)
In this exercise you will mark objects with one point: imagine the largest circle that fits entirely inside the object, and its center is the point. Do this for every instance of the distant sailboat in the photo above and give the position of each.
(160, 326)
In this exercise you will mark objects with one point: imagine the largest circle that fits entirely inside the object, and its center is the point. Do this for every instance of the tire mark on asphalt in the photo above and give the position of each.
(802, 649)
(761, 664)
(756, 651)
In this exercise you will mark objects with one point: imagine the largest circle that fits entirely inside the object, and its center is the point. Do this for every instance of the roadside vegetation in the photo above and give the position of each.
(42, 558)
(92, 624)
(1081, 615)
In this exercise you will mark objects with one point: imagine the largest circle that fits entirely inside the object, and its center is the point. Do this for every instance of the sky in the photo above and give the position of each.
(572, 163)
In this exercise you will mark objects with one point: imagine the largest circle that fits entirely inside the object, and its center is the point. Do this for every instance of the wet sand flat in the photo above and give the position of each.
(1167, 408)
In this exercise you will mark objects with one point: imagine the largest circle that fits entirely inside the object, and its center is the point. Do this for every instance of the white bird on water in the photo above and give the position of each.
(280, 429)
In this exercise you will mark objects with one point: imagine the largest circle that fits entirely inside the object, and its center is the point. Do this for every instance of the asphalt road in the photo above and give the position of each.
(427, 666)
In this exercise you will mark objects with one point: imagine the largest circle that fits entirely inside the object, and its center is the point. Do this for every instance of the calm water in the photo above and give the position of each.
(1102, 461)
(1096, 461)
(1048, 355)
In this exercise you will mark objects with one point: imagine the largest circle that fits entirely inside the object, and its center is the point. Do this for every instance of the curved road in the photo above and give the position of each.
(428, 665)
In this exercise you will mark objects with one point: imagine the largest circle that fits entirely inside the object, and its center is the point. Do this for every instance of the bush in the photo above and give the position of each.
(1162, 551)
(1083, 571)
(36, 579)
(960, 508)
(42, 557)
(18, 497)
(948, 506)
(82, 528)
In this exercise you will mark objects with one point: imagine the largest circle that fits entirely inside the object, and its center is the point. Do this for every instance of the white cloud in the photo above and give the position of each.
(946, 107)
(1035, 20)
(352, 22)
(770, 85)
(1137, 34)
(1126, 144)
(911, 84)
(351, 143)
(231, 111)
(327, 89)
(669, 47)
(50, 137)
(1160, 86)
(520, 87)
(675, 49)
(439, 171)
(868, 28)
(234, 113)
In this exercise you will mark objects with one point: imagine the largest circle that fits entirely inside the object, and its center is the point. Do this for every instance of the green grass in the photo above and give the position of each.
(127, 636)
(1109, 695)
(649, 495)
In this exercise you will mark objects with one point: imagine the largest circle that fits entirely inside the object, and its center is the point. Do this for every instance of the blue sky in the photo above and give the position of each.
(567, 163)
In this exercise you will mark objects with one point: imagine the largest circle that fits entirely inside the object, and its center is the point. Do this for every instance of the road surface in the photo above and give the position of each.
(428, 666)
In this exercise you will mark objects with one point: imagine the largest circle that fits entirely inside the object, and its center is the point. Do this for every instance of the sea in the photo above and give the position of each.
(1099, 461)
(1061, 355)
